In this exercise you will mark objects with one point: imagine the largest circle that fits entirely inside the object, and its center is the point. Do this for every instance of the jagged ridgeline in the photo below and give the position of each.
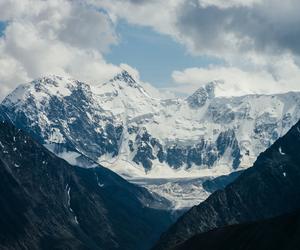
(124, 126)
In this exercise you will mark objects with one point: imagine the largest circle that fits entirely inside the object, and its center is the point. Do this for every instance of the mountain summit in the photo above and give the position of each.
(200, 96)
(124, 76)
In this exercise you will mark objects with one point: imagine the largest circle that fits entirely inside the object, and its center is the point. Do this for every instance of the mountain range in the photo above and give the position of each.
(122, 125)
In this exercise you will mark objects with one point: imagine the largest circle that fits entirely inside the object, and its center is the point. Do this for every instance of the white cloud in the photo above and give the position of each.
(236, 82)
(256, 39)
(228, 3)
(160, 15)
(54, 37)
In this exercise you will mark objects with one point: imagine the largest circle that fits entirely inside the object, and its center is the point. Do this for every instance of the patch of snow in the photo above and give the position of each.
(280, 151)
(75, 218)
(68, 188)
(68, 156)
(56, 136)
(98, 182)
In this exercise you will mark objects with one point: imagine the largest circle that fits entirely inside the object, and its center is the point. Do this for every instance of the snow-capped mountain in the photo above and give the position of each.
(120, 125)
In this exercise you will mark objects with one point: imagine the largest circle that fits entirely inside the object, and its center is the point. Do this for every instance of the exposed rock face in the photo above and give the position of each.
(45, 203)
(270, 188)
(199, 98)
(203, 153)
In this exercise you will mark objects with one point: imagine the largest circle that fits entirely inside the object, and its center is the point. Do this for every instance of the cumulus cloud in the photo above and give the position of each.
(233, 81)
(228, 3)
(216, 27)
(54, 37)
(258, 40)
(252, 37)
(266, 26)
(157, 14)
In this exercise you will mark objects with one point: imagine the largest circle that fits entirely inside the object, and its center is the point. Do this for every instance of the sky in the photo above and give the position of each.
(249, 46)
(154, 55)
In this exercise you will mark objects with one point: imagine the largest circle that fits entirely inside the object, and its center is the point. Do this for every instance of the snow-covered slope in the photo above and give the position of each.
(122, 126)
(199, 135)
(64, 115)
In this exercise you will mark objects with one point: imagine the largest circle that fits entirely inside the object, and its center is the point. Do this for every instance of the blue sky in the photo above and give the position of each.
(2, 27)
(155, 55)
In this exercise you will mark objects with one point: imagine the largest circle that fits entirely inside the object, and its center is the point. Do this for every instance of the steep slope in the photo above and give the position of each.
(45, 203)
(268, 189)
(273, 234)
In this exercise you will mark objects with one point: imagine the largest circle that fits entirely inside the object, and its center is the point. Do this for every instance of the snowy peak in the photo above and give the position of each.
(44, 88)
(57, 85)
(124, 76)
(200, 96)
(123, 95)
(127, 83)
(53, 84)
